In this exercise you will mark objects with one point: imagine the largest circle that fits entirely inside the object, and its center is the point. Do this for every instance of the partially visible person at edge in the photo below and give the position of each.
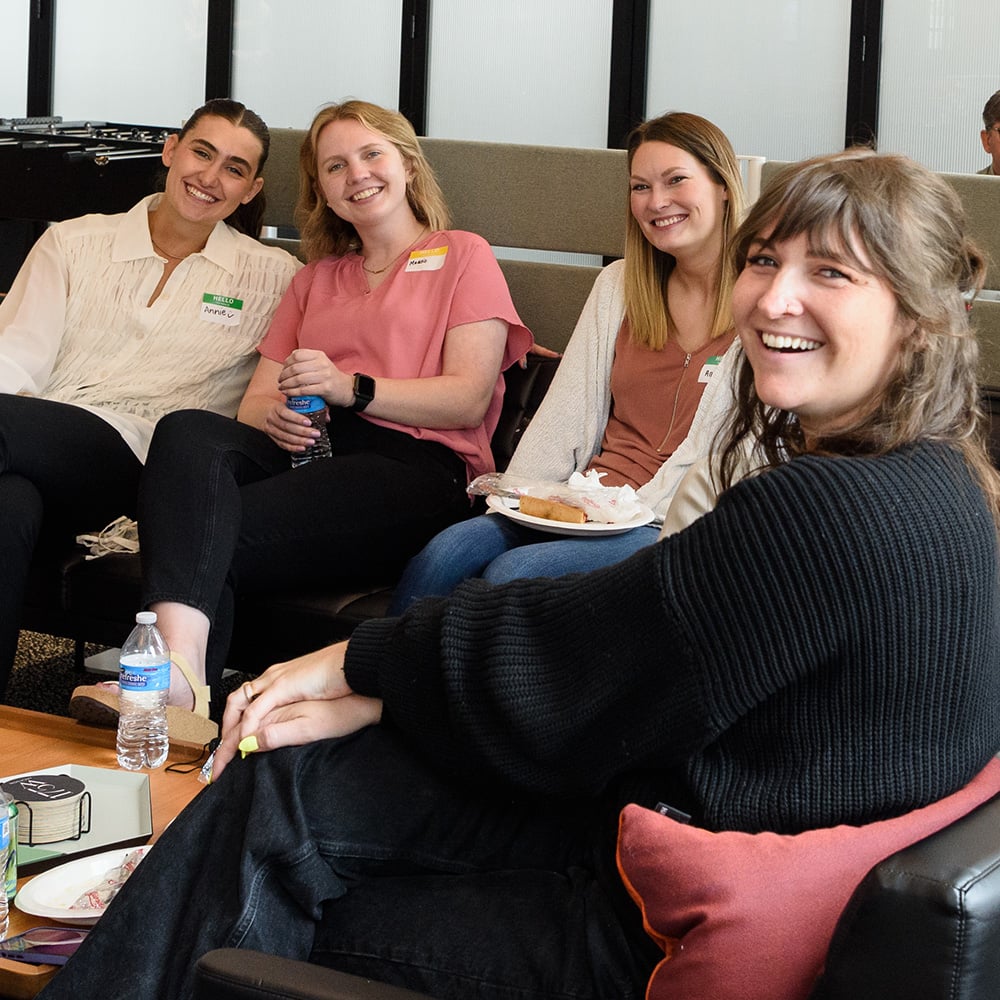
(404, 327)
(646, 380)
(990, 135)
(106, 328)
(470, 758)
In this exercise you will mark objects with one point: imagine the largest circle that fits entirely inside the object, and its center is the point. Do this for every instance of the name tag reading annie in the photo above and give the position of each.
(221, 309)
(427, 260)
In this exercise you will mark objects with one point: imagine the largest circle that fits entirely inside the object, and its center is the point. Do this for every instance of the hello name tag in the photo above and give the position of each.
(221, 309)
(427, 260)
(709, 368)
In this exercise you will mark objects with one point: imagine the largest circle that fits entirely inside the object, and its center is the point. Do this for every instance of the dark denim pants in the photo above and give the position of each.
(357, 855)
(221, 511)
(63, 471)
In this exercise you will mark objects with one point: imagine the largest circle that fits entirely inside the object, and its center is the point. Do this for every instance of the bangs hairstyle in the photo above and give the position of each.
(892, 218)
(322, 231)
(646, 268)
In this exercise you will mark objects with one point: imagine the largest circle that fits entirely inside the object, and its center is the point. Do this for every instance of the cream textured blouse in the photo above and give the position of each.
(76, 328)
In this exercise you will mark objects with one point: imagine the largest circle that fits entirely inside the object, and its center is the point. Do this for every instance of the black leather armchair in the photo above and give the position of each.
(924, 924)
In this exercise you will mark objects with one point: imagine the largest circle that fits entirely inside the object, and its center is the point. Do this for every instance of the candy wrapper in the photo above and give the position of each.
(603, 504)
(106, 890)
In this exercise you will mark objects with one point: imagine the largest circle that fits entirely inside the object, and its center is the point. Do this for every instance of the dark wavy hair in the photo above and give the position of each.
(908, 224)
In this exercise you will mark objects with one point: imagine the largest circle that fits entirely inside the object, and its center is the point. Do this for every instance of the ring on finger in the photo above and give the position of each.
(248, 692)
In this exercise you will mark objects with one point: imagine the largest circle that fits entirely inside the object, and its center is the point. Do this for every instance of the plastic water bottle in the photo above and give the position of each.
(315, 408)
(4, 850)
(144, 682)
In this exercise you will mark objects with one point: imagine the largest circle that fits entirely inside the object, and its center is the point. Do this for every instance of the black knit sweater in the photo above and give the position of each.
(822, 648)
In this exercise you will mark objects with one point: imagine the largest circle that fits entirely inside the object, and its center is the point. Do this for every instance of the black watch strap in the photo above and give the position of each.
(364, 391)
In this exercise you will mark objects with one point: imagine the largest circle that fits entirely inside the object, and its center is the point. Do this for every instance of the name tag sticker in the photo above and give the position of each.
(221, 309)
(427, 260)
(709, 368)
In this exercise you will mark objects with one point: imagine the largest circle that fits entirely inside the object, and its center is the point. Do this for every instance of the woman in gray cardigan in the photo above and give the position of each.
(646, 380)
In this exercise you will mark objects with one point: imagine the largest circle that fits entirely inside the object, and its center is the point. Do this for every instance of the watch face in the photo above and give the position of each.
(364, 390)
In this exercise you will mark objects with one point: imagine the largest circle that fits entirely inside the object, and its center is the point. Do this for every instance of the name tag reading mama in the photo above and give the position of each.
(221, 309)
(427, 260)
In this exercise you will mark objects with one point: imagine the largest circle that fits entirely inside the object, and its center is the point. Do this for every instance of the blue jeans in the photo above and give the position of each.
(63, 471)
(356, 855)
(500, 550)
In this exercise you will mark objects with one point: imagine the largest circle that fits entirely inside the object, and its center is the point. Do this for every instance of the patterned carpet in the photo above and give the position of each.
(44, 675)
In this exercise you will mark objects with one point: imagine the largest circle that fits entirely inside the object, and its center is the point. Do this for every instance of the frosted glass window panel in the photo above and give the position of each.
(129, 61)
(14, 58)
(290, 59)
(772, 74)
(939, 66)
(530, 71)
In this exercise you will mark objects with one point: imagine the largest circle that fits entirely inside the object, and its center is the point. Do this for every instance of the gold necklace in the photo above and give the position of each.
(382, 270)
(170, 256)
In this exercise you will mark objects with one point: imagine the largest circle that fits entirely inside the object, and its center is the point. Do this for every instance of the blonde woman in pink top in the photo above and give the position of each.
(403, 327)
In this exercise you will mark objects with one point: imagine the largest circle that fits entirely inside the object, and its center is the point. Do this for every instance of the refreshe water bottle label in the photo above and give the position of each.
(315, 408)
(305, 404)
(144, 676)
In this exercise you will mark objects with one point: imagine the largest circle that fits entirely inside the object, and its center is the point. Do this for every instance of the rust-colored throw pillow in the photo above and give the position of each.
(750, 916)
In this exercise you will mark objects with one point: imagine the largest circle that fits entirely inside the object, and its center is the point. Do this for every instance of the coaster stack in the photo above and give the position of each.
(51, 807)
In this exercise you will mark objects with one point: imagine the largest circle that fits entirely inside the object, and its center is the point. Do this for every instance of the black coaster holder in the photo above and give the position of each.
(82, 816)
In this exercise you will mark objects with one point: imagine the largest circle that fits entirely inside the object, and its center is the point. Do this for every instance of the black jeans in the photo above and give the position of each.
(222, 511)
(63, 471)
(357, 855)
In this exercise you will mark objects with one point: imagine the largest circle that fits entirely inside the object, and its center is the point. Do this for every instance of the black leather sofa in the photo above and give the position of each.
(924, 924)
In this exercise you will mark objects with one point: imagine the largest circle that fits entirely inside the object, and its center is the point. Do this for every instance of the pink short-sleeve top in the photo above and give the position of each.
(398, 330)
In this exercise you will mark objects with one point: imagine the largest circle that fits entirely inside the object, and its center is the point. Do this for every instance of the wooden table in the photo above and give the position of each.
(33, 740)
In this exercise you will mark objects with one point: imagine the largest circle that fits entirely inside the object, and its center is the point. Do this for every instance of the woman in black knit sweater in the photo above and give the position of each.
(819, 649)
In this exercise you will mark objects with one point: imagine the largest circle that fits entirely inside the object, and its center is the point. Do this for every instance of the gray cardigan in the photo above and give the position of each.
(566, 432)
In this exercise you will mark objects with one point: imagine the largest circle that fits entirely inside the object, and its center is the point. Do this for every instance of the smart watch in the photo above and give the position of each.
(364, 391)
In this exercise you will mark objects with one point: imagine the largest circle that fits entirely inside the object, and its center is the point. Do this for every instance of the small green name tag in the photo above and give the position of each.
(221, 309)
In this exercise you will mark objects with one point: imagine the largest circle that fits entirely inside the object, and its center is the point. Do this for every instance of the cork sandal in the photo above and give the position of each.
(97, 705)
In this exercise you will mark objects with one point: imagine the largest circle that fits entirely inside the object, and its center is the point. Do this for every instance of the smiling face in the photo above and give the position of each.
(678, 205)
(362, 174)
(211, 170)
(821, 331)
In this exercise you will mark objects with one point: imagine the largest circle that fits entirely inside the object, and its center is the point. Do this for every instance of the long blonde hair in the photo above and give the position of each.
(646, 268)
(322, 231)
(909, 224)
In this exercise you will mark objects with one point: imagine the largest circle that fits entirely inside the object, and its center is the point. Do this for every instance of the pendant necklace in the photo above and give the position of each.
(382, 270)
